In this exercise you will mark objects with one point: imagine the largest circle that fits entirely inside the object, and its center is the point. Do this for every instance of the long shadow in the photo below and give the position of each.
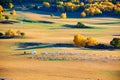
(7, 37)
(32, 21)
(34, 45)
(74, 26)
(116, 35)
(8, 22)
(108, 23)
(102, 47)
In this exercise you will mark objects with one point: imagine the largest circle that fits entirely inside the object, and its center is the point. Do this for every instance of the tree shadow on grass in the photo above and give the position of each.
(116, 35)
(8, 22)
(101, 47)
(32, 21)
(107, 23)
(74, 26)
(35, 45)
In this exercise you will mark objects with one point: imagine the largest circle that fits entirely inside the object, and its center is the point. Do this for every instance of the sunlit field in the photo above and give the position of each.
(56, 56)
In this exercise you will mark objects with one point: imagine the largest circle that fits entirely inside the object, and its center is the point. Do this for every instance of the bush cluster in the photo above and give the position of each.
(82, 41)
(115, 42)
(12, 33)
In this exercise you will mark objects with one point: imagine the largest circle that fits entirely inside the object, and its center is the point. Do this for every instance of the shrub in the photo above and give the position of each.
(63, 15)
(1, 34)
(115, 42)
(18, 32)
(22, 34)
(13, 12)
(7, 17)
(117, 10)
(80, 25)
(46, 4)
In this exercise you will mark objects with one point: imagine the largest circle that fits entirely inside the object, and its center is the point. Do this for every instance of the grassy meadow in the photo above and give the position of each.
(41, 28)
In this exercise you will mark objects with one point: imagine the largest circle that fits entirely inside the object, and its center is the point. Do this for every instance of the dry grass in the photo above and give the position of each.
(20, 67)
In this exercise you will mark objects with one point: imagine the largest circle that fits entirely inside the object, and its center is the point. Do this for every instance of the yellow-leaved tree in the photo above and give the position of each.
(10, 32)
(60, 3)
(11, 5)
(91, 41)
(46, 4)
(1, 15)
(79, 40)
(63, 15)
(18, 32)
(13, 12)
(83, 14)
(1, 8)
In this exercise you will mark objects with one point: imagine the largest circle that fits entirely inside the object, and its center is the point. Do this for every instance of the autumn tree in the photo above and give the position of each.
(79, 40)
(13, 12)
(89, 1)
(91, 41)
(1, 14)
(118, 4)
(117, 10)
(82, 4)
(7, 17)
(1, 8)
(68, 6)
(10, 5)
(46, 4)
(18, 32)
(60, 3)
(63, 15)
(83, 14)
(10, 32)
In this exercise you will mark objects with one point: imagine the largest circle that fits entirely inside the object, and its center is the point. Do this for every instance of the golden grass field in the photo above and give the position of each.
(19, 67)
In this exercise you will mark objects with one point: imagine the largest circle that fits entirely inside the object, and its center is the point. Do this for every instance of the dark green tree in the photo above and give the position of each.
(7, 17)
(115, 42)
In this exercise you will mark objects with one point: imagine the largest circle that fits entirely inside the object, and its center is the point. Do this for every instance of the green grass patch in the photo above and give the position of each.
(110, 73)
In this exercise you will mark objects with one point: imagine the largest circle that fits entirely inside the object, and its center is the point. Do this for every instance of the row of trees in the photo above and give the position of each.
(13, 12)
(82, 41)
(90, 9)
(12, 33)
